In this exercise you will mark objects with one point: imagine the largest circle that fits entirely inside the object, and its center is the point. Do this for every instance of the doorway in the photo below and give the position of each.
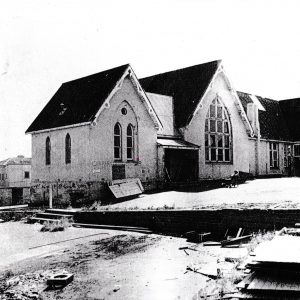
(181, 165)
(16, 196)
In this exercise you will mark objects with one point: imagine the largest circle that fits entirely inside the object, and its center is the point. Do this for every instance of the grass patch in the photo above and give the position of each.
(122, 244)
(259, 238)
(60, 225)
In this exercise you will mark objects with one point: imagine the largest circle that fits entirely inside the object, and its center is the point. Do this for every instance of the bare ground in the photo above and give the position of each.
(119, 266)
(258, 193)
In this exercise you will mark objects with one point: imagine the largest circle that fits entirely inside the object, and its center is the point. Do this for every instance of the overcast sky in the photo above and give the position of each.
(44, 43)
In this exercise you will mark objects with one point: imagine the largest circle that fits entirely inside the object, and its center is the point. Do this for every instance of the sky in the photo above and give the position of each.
(45, 43)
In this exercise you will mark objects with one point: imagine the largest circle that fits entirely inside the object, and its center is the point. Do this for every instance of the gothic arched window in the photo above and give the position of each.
(218, 140)
(48, 151)
(117, 142)
(68, 149)
(130, 149)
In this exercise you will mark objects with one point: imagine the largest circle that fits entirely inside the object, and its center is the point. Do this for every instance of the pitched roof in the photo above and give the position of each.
(186, 86)
(19, 160)
(77, 101)
(272, 120)
(291, 110)
(163, 106)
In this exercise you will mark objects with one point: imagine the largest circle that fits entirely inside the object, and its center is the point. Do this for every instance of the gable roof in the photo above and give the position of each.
(272, 120)
(291, 110)
(77, 101)
(186, 86)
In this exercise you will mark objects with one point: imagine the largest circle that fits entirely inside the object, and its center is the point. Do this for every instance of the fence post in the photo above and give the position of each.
(50, 195)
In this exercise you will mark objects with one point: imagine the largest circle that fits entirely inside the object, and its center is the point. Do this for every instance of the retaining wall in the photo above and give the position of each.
(181, 221)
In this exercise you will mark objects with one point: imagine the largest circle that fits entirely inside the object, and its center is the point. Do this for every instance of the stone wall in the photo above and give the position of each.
(181, 221)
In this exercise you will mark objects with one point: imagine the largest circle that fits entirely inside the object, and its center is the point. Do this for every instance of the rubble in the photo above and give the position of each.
(26, 286)
(274, 269)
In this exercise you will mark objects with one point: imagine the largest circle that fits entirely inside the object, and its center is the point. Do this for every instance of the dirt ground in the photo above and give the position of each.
(259, 193)
(110, 265)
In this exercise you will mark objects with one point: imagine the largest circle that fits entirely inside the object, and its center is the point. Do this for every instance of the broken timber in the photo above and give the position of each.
(237, 240)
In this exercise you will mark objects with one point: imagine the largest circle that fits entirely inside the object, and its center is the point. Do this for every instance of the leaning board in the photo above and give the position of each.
(126, 189)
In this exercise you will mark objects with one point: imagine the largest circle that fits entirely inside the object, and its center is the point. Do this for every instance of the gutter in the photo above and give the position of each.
(58, 128)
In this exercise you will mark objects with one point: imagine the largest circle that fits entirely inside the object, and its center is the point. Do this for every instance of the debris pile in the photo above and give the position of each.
(27, 286)
(275, 270)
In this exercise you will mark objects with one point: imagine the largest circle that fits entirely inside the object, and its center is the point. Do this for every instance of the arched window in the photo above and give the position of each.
(68, 149)
(117, 142)
(48, 151)
(130, 142)
(218, 141)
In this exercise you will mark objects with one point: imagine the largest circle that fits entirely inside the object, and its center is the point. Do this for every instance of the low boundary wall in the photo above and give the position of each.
(181, 221)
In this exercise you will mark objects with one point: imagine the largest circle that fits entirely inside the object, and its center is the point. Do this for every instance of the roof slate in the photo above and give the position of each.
(77, 101)
(186, 86)
(272, 121)
(291, 110)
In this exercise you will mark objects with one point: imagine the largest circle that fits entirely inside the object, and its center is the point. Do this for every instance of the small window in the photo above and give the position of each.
(48, 151)
(124, 111)
(286, 155)
(297, 150)
(274, 155)
(117, 142)
(26, 175)
(129, 142)
(68, 149)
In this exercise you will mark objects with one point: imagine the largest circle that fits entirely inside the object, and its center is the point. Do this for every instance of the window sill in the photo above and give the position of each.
(219, 162)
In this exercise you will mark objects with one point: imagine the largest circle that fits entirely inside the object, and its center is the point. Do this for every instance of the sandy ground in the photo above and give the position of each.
(114, 265)
(263, 193)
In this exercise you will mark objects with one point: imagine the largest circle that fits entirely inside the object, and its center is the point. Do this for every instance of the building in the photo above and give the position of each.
(15, 179)
(184, 125)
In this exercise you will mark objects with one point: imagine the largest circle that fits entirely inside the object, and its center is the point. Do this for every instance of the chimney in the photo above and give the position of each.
(252, 114)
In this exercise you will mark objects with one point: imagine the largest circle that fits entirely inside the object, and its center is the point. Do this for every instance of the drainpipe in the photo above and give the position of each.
(50, 195)
(252, 114)
(257, 129)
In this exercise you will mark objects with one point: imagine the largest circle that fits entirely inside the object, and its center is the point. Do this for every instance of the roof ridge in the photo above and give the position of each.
(98, 73)
(218, 61)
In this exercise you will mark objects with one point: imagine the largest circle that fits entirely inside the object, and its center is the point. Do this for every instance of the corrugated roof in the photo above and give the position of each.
(77, 101)
(186, 86)
(291, 110)
(19, 160)
(163, 106)
(175, 143)
(273, 124)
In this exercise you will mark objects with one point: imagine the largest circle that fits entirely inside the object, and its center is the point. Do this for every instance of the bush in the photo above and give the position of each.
(59, 225)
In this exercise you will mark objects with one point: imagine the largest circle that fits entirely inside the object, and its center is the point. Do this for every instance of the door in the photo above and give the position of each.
(17, 196)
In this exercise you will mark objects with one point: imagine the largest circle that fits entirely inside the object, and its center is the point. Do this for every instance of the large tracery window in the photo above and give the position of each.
(217, 134)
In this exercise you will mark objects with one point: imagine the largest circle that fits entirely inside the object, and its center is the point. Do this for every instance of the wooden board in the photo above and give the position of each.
(282, 249)
(269, 282)
(126, 189)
